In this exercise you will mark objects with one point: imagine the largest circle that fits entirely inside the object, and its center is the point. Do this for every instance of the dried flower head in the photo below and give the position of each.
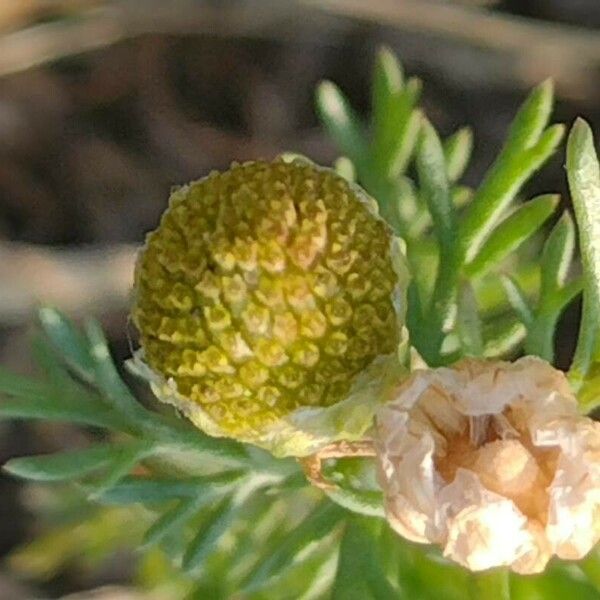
(265, 294)
(492, 461)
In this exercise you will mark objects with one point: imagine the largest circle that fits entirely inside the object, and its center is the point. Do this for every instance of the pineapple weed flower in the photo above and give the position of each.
(492, 461)
(269, 303)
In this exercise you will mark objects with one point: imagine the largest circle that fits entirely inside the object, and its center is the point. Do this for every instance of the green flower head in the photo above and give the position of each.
(270, 304)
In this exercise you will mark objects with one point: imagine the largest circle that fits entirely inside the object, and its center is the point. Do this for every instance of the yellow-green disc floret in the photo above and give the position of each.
(265, 289)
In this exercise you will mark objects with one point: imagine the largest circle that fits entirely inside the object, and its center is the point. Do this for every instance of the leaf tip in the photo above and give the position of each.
(325, 90)
(580, 144)
(566, 220)
(580, 131)
(48, 315)
(553, 201)
(390, 66)
(547, 87)
(13, 467)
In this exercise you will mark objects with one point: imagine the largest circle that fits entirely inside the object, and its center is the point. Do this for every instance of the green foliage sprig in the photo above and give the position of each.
(474, 231)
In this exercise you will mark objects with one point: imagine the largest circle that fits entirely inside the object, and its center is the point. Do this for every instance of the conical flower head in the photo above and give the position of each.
(265, 293)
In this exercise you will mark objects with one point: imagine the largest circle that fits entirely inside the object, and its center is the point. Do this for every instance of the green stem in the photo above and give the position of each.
(490, 585)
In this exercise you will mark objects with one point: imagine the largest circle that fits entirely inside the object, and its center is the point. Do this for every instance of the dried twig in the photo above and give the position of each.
(81, 280)
(123, 19)
(312, 465)
(532, 49)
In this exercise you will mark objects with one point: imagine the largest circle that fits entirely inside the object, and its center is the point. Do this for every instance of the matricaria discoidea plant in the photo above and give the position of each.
(373, 331)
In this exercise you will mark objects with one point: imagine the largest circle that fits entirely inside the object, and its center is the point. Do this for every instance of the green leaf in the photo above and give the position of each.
(554, 294)
(53, 366)
(350, 583)
(345, 168)
(531, 119)
(147, 490)
(61, 399)
(583, 174)
(567, 294)
(501, 185)
(121, 464)
(69, 465)
(53, 406)
(590, 565)
(393, 198)
(307, 578)
(395, 120)
(427, 334)
(341, 123)
(557, 256)
(468, 322)
(457, 152)
(517, 299)
(365, 502)
(20, 386)
(174, 519)
(512, 232)
(263, 523)
(400, 149)
(66, 339)
(359, 574)
(424, 574)
(503, 337)
(388, 80)
(526, 149)
(316, 526)
(420, 220)
(540, 337)
(108, 379)
(490, 585)
(431, 168)
(371, 532)
(398, 560)
(461, 196)
(557, 581)
(406, 142)
(209, 535)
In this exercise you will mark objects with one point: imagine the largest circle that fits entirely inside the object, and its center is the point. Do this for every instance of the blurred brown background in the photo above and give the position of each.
(104, 105)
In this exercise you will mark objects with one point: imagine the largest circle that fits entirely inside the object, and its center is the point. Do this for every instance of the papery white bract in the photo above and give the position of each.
(492, 461)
